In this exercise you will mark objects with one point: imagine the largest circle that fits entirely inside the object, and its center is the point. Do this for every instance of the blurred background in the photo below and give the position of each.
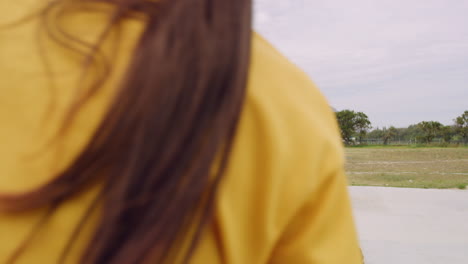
(396, 73)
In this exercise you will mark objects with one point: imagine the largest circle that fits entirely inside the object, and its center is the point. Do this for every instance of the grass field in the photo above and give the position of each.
(408, 167)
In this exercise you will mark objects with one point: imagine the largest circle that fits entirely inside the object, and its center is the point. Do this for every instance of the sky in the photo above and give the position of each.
(398, 61)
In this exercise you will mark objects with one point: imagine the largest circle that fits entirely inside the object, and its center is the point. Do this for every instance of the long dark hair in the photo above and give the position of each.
(161, 150)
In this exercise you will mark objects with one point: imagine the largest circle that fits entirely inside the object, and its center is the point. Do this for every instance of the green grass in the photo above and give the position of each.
(408, 167)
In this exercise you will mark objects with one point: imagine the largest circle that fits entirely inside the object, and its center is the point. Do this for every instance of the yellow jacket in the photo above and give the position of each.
(284, 199)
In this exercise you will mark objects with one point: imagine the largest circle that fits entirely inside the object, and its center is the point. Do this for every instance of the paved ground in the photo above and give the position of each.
(412, 226)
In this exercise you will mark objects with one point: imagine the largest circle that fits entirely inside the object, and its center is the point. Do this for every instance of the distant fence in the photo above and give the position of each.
(400, 142)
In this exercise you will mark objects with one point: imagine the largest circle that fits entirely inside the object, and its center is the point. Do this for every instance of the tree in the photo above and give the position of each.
(430, 130)
(347, 124)
(362, 125)
(375, 133)
(389, 134)
(352, 123)
(461, 126)
(413, 132)
(447, 133)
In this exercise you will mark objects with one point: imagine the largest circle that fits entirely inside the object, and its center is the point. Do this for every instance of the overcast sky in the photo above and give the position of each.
(399, 61)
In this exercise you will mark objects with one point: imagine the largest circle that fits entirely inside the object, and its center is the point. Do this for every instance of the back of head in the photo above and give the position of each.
(161, 149)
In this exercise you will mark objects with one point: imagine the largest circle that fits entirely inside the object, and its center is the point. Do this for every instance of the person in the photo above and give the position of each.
(137, 131)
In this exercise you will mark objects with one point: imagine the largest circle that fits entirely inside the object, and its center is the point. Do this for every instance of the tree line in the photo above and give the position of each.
(356, 128)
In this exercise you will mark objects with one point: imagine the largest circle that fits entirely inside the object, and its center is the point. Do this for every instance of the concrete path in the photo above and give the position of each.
(412, 226)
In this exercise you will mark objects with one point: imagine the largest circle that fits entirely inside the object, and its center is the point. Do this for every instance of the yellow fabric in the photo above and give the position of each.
(284, 199)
